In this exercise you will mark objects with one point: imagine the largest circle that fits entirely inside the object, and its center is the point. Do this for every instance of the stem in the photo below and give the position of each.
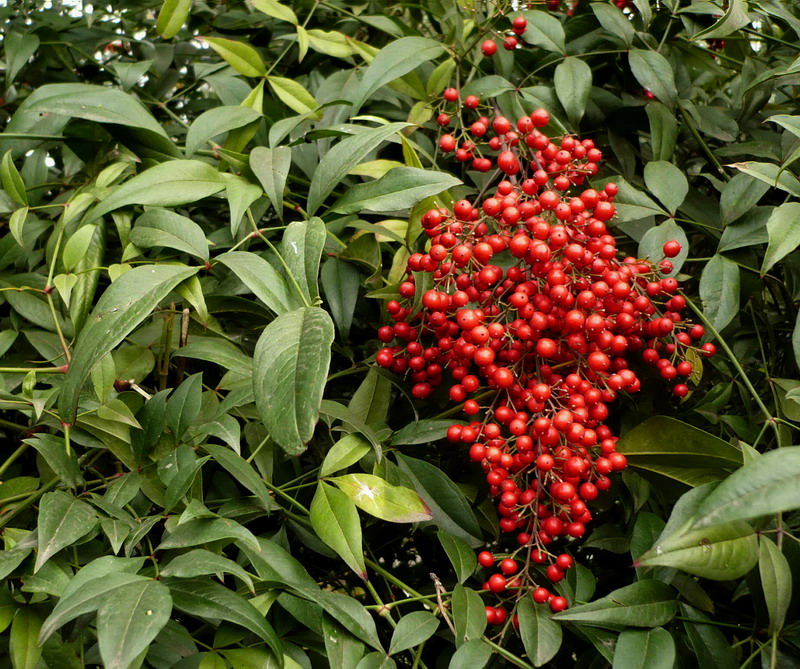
(11, 458)
(61, 338)
(47, 487)
(693, 129)
(508, 656)
(392, 578)
(38, 370)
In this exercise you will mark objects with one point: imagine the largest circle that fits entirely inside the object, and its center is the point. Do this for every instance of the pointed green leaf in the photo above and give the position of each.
(643, 604)
(260, 277)
(12, 181)
(294, 95)
(412, 629)
(172, 16)
(276, 10)
(667, 183)
(242, 471)
(335, 519)
(206, 530)
(345, 452)
(645, 649)
(383, 500)
(573, 83)
(719, 290)
(240, 56)
(469, 614)
(543, 30)
(23, 648)
(776, 581)
(161, 227)
(784, 234)
(200, 562)
(460, 553)
(541, 636)
(654, 72)
(271, 167)
(614, 22)
(215, 122)
(63, 520)
(340, 281)
(301, 248)
(652, 244)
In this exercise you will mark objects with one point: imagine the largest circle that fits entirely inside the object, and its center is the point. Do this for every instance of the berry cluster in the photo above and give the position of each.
(524, 309)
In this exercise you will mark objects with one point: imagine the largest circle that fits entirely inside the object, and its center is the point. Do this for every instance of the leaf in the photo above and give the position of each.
(543, 30)
(734, 18)
(340, 281)
(276, 10)
(541, 636)
(421, 432)
(645, 649)
(614, 22)
(242, 471)
(762, 487)
(652, 244)
(663, 130)
(573, 83)
(469, 614)
(719, 290)
(776, 581)
(784, 234)
(101, 104)
(241, 195)
(772, 175)
(220, 351)
(331, 43)
(200, 562)
(179, 485)
(301, 249)
(23, 648)
(739, 196)
(205, 599)
(654, 73)
(642, 604)
(54, 451)
(723, 552)
(447, 504)
(271, 167)
(168, 184)
(16, 222)
(709, 643)
(184, 405)
(294, 95)
(128, 622)
(667, 183)
(161, 227)
(796, 340)
(240, 56)
(474, 654)
(343, 157)
(172, 16)
(63, 520)
(383, 500)
(13, 184)
(18, 49)
(215, 122)
(260, 277)
(289, 372)
(335, 520)
(393, 61)
(370, 401)
(206, 530)
(413, 629)
(345, 452)
(460, 553)
(400, 188)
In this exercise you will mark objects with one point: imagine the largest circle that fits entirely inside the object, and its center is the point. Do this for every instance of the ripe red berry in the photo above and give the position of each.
(485, 559)
(450, 94)
(558, 604)
(672, 249)
(489, 47)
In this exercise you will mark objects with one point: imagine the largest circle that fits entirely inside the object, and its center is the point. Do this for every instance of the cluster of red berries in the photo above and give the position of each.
(523, 307)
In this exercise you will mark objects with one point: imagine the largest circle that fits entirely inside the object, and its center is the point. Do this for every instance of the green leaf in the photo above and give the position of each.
(54, 451)
(276, 10)
(168, 184)
(343, 157)
(172, 16)
(335, 520)
(723, 552)
(719, 290)
(469, 614)
(644, 649)
(541, 636)
(271, 167)
(241, 195)
(242, 471)
(421, 432)
(652, 244)
(440, 77)
(340, 281)
(63, 520)
(13, 184)
(215, 122)
(200, 562)
(331, 43)
(460, 553)
(294, 95)
(762, 487)
(654, 73)
(393, 61)
(16, 222)
(614, 22)
(681, 451)
(543, 30)
(179, 485)
(400, 188)
(784, 234)
(667, 183)
(739, 196)
(345, 452)
(412, 629)
(18, 49)
(289, 373)
(772, 175)
(641, 604)
(240, 56)
(260, 277)
(161, 227)
(734, 18)
(663, 130)
(447, 504)
(383, 500)
(573, 83)
(220, 351)
(184, 405)
(205, 599)
(370, 403)
(776, 581)
(301, 249)
(23, 648)
(206, 530)
(796, 340)
(128, 622)
(709, 643)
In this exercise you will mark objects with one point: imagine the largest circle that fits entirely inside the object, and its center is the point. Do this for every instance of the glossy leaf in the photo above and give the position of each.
(335, 519)
(667, 183)
(663, 130)
(340, 281)
(776, 581)
(650, 649)
(475, 654)
(242, 471)
(412, 629)
(614, 22)
(217, 121)
(422, 432)
(12, 181)
(240, 56)
(654, 72)
(207, 530)
(652, 244)
(734, 18)
(63, 519)
(345, 452)
(301, 248)
(719, 290)
(469, 614)
(784, 236)
(641, 604)
(172, 16)
(541, 636)
(378, 498)
(261, 278)
(23, 648)
(161, 227)
(200, 562)
(573, 83)
(271, 167)
(293, 94)
(460, 553)
(289, 373)
(544, 31)
(276, 10)
(772, 175)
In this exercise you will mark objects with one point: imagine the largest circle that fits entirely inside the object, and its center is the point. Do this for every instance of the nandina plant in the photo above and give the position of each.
(365, 335)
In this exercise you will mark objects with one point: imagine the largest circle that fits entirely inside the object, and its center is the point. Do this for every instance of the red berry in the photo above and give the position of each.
(489, 47)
